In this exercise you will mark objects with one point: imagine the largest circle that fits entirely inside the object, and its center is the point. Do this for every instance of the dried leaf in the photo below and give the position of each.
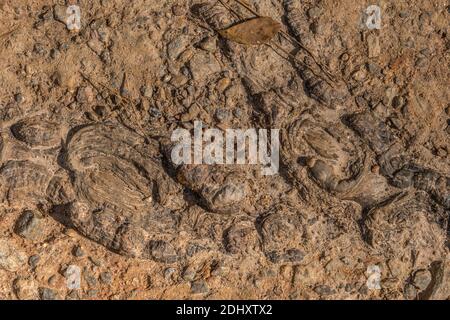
(255, 31)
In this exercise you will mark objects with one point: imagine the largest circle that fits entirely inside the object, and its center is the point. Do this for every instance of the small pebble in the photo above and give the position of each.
(363, 290)
(189, 274)
(426, 52)
(30, 226)
(39, 49)
(238, 112)
(73, 295)
(410, 291)
(447, 110)
(398, 101)
(169, 273)
(421, 62)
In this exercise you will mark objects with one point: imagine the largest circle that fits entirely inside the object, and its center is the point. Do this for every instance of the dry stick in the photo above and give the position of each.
(230, 9)
(292, 39)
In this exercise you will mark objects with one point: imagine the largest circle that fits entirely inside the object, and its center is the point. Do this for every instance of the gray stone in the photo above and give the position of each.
(47, 294)
(155, 113)
(410, 291)
(30, 226)
(147, 91)
(208, 44)
(203, 65)
(323, 290)
(78, 251)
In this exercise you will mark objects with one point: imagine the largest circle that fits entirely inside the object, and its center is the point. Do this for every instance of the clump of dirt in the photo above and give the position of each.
(359, 208)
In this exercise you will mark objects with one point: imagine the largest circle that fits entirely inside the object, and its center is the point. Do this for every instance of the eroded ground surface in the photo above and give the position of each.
(86, 180)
